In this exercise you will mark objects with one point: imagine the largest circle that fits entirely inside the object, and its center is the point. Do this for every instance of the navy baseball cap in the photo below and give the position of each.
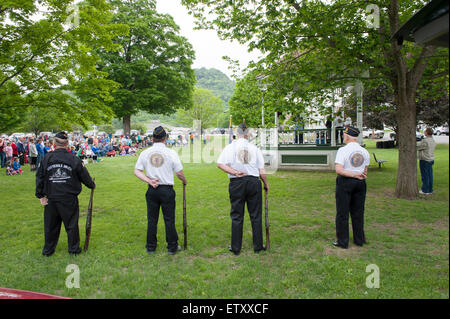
(62, 135)
(242, 129)
(352, 131)
(159, 132)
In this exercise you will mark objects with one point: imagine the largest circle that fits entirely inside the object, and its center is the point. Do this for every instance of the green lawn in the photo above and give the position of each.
(407, 240)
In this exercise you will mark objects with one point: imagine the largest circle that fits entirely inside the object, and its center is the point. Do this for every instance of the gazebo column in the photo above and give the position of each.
(359, 109)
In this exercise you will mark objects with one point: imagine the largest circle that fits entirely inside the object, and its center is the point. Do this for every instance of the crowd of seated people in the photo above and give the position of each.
(94, 148)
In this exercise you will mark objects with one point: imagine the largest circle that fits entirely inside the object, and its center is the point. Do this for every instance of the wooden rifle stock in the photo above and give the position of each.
(267, 220)
(184, 217)
(89, 221)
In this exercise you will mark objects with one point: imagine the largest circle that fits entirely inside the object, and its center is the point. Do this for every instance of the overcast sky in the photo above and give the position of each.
(209, 49)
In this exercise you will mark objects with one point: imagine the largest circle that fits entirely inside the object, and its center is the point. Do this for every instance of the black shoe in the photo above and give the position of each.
(336, 244)
(75, 253)
(151, 251)
(259, 250)
(173, 252)
(48, 254)
(236, 253)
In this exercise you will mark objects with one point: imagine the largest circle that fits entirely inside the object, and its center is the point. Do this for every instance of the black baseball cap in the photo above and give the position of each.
(352, 131)
(159, 132)
(62, 135)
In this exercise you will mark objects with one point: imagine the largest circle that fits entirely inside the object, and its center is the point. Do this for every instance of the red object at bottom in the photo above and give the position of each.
(6, 293)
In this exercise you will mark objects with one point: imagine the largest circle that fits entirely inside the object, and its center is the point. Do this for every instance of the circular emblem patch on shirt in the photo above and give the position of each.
(356, 159)
(156, 160)
(243, 156)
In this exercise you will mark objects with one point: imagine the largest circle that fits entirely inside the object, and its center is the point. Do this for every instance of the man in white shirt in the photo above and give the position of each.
(159, 163)
(244, 164)
(348, 121)
(351, 162)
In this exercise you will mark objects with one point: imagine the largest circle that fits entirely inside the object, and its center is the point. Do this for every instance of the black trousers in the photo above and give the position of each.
(339, 134)
(61, 210)
(163, 196)
(245, 190)
(350, 198)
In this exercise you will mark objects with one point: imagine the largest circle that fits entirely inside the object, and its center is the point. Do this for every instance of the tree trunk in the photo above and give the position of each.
(126, 124)
(407, 159)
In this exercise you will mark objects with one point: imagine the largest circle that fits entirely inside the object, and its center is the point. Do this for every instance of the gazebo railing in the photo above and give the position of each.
(296, 137)
(310, 137)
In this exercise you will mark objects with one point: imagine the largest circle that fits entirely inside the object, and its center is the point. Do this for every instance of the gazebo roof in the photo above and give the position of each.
(427, 26)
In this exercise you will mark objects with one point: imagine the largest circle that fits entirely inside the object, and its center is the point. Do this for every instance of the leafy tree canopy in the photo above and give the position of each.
(49, 46)
(207, 108)
(153, 66)
(311, 47)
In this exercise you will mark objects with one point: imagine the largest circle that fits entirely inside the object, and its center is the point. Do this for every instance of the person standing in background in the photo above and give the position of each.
(2, 153)
(328, 125)
(40, 151)
(425, 150)
(348, 121)
(8, 152)
(15, 153)
(33, 154)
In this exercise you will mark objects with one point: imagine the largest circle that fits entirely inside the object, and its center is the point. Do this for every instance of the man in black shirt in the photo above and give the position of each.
(58, 183)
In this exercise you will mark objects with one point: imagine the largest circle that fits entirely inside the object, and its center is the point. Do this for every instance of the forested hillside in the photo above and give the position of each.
(216, 81)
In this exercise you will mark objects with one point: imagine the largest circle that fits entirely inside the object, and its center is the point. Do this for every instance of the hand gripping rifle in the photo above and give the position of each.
(267, 220)
(184, 217)
(89, 221)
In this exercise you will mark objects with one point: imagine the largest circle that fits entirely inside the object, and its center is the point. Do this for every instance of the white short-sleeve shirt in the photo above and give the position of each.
(159, 162)
(353, 157)
(338, 122)
(242, 156)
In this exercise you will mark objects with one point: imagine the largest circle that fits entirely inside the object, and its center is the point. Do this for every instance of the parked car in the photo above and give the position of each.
(135, 132)
(118, 133)
(441, 130)
(419, 136)
(18, 135)
(367, 133)
(218, 131)
(49, 134)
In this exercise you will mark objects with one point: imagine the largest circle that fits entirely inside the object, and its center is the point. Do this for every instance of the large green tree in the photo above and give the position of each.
(153, 66)
(311, 46)
(48, 46)
(206, 108)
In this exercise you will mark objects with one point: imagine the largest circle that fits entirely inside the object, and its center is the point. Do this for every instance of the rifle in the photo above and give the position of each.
(267, 220)
(89, 221)
(184, 217)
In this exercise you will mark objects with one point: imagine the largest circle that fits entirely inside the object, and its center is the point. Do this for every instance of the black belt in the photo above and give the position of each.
(164, 185)
(349, 178)
(244, 177)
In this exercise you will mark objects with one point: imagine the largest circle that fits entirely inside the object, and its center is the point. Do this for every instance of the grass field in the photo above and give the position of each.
(407, 240)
